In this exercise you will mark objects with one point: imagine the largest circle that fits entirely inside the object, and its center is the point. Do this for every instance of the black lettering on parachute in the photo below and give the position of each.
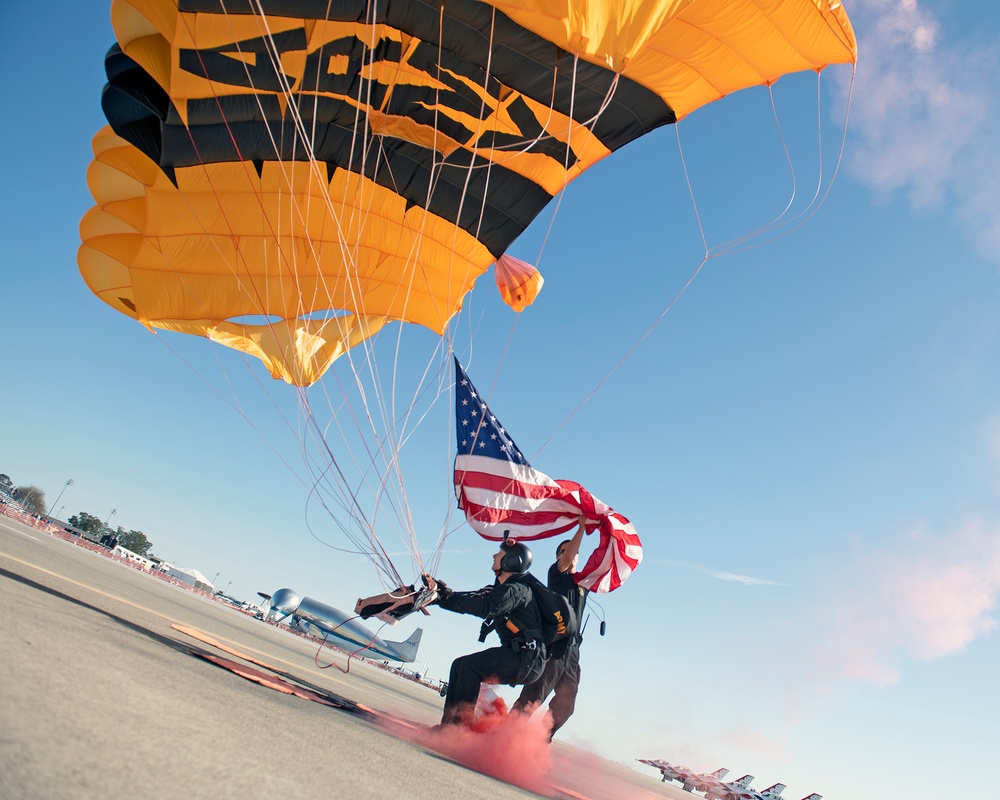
(559, 623)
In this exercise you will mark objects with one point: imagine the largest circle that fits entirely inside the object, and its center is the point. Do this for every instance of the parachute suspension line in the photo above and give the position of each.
(734, 243)
(651, 328)
(392, 436)
(843, 135)
(479, 135)
(779, 226)
(379, 556)
(293, 111)
(369, 546)
(626, 356)
(391, 443)
(239, 410)
(372, 545)
(569, 136)
(708, 251)
(608, 97)
(437, 167)
(820, 195)
(437, 553)
(233, 268)
(350, 655)
(307, 140)
(271, 53)
(435, 557)
(517, 149)
(232, 402)
(353, 505)
(307, 137)
(392, 459)
(391, 464)
(753, 239)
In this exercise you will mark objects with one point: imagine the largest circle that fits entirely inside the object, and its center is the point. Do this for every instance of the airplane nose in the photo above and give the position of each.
(284, 601)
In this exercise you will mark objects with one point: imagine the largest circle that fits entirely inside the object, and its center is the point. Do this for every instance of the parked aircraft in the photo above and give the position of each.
(696, 781)
(772, 792)
(333, 625)
(688, 778)
(668, 771)
(737, 790)
(713, 786)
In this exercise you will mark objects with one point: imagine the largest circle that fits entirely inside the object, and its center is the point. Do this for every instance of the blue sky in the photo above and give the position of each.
(808, 442)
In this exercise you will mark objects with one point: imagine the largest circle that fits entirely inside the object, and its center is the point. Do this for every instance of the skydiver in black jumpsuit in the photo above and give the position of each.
(508, 607)
(560, 674)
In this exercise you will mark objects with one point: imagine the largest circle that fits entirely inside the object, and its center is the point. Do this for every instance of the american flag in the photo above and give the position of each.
(500, 491)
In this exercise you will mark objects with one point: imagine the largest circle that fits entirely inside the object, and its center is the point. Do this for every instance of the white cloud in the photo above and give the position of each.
(928, 598)
(923, 119)
(746, 580)
(732, 577)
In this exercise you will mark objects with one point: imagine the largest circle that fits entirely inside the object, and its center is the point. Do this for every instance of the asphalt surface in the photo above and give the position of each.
(100, 697)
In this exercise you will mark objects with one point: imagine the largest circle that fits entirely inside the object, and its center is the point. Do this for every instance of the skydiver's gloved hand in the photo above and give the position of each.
(439, 586)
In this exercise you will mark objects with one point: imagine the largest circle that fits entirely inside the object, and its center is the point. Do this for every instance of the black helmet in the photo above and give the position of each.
(516, 557)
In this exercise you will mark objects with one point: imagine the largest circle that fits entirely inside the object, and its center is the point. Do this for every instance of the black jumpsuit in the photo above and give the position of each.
(520, 658)
(563, 674)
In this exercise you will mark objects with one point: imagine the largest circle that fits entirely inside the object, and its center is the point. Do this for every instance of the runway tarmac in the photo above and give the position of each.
(101, 697)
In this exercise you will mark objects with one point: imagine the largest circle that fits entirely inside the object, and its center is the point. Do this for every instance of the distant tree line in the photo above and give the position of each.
(135, 541)
(33, 499)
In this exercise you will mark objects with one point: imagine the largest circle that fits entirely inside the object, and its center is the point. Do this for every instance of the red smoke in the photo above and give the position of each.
(515, 748)
(511, 747)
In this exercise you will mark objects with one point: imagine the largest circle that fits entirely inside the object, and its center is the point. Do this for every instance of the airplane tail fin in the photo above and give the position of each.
(720, 773)
(744, 782)
(775, 791)
(408, 649)
(813, 796)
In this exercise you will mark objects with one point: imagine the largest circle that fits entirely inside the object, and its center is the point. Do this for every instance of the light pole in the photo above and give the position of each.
(113, 512)
(69, 482)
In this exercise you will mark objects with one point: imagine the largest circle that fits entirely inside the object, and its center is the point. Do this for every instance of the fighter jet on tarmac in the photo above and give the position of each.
(667, 770)
(696, 781)
(737, 790)
(688, 778)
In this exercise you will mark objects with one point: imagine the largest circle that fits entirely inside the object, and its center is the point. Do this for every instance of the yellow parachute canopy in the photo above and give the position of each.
(286, 176)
